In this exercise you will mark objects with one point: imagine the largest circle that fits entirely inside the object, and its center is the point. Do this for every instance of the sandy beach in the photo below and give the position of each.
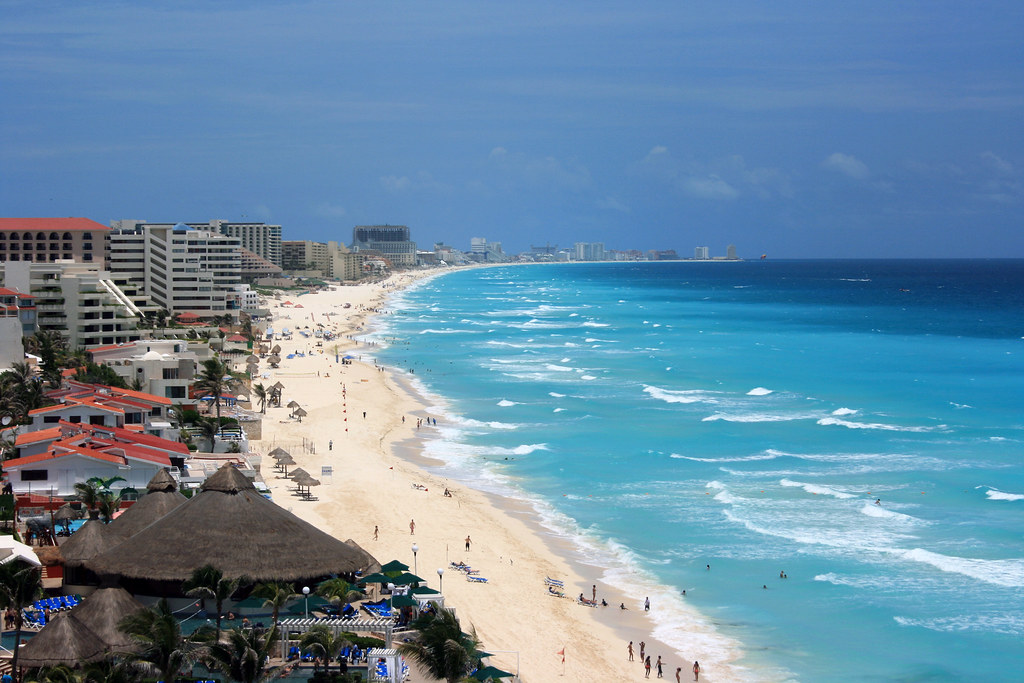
(355, 426)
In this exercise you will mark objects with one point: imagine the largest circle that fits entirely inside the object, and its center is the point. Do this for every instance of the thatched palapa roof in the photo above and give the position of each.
(162, 496)
(229, 525)
(92, 539)
(65, 640)
(103, 610)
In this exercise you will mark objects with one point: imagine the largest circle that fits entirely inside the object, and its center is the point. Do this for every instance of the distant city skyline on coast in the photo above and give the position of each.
(856, 131)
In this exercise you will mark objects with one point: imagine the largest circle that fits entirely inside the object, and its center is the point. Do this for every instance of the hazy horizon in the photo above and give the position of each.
(801, 131)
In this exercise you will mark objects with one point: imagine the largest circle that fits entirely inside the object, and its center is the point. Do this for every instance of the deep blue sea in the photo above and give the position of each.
(748, 416)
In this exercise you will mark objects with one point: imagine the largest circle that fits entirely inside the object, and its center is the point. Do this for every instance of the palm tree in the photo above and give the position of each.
(275, 595)
(214, 380)
(321, 642)
(260, 392)
(162, 650)
(20, 586)
(338, 590)
(208, 429)
(209, 582)
(95, 494)
(441, 648)
(245, 655)
(108, 504)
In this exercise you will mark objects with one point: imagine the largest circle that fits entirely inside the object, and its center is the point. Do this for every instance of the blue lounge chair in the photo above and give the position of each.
(476, 579)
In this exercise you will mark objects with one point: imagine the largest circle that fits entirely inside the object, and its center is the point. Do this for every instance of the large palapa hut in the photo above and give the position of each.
(229, 525)
(92, 539)
(162, 496)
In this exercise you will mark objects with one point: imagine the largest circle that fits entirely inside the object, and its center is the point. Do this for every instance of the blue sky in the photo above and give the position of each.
(796, 129)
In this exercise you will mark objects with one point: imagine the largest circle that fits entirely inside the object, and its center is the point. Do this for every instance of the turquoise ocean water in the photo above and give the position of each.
(669, 416)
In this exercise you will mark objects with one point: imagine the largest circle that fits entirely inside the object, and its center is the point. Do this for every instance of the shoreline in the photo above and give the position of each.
(506, 527)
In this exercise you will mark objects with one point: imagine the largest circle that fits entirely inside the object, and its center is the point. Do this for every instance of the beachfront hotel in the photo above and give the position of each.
(390, 241)
(182, 269)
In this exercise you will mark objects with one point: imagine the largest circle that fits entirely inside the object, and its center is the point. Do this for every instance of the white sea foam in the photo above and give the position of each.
(759, 391)
(554, 395)
(447, 331)
(998, 622)
(758, 417)
(816, 489)
(829, 421)
(593, 340)
(505, 403)
(558, 368)
(558, 410)
(873, 510)
(743, 458)
(591, 323)
(996, 494)
(1008, 573)
(679, 395)
(840, 412)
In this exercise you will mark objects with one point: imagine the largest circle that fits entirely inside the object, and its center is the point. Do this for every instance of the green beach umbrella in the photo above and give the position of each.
(374, 578)
(402, 601)
(407, 578)
(490, 672)
(424, 590)
(394, 566)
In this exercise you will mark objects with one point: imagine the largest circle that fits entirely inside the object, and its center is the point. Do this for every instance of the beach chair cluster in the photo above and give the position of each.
(380, 671)
(555, 587)
(379, 609)
(471, 574)
(35, 616)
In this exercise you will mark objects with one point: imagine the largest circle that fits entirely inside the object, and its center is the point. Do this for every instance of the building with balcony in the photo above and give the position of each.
(46, 240)
(163, 367)
(390, 241)
(181, 269)
(79, 300)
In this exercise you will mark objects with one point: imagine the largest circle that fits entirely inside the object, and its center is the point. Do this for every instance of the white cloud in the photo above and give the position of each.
(847, 164)
(395, 183)
(711, 187)
(328, 210)
(613, 204)
(997, 163)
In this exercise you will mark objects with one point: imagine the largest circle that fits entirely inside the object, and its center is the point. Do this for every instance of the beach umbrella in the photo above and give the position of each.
(293, 404)
(276, 349)
(300, 413)
(374, 578)
(274, 359)
(285, 461)
(424, 590)
(407, 578)
(277, 451)
(253, 360)
(65, 640)
(394, 566)
(399, 601)
(488, 673)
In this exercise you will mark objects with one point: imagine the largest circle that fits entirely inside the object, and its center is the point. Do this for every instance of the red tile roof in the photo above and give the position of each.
(58, 224)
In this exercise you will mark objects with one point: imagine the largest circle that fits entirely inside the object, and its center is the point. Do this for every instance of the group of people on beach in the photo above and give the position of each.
(659, 665)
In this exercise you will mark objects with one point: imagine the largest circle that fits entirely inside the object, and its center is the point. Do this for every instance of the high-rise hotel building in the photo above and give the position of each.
(391, 241)
(182, 269)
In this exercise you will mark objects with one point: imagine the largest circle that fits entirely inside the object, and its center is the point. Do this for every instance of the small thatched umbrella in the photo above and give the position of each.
(277, 451)
(65, 640)
(276, 349)
(297, 474)
(103, 610)
(284, 462)
(229, 525)
(293, 404)
(253, 360)
(161, 497)
(300, 413)
(274, 360)
(65, 514)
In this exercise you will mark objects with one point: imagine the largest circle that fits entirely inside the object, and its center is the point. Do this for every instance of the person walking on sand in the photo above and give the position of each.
(643, 646)
(659, 665)
(593, 592)
(647, 604)
(647, 667)
(679, 672)
(467, 543)
(330, 445)
(696, 671)
(376, 532)
(412, 527)
(629, 649)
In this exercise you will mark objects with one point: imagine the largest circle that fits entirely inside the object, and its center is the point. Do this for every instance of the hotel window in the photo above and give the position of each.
(53, 236)
(67, 236)
(34, 475)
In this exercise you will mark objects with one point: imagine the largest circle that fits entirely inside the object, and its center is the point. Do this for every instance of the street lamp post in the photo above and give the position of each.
(305, 593)
(415, 549)
(440, 580)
